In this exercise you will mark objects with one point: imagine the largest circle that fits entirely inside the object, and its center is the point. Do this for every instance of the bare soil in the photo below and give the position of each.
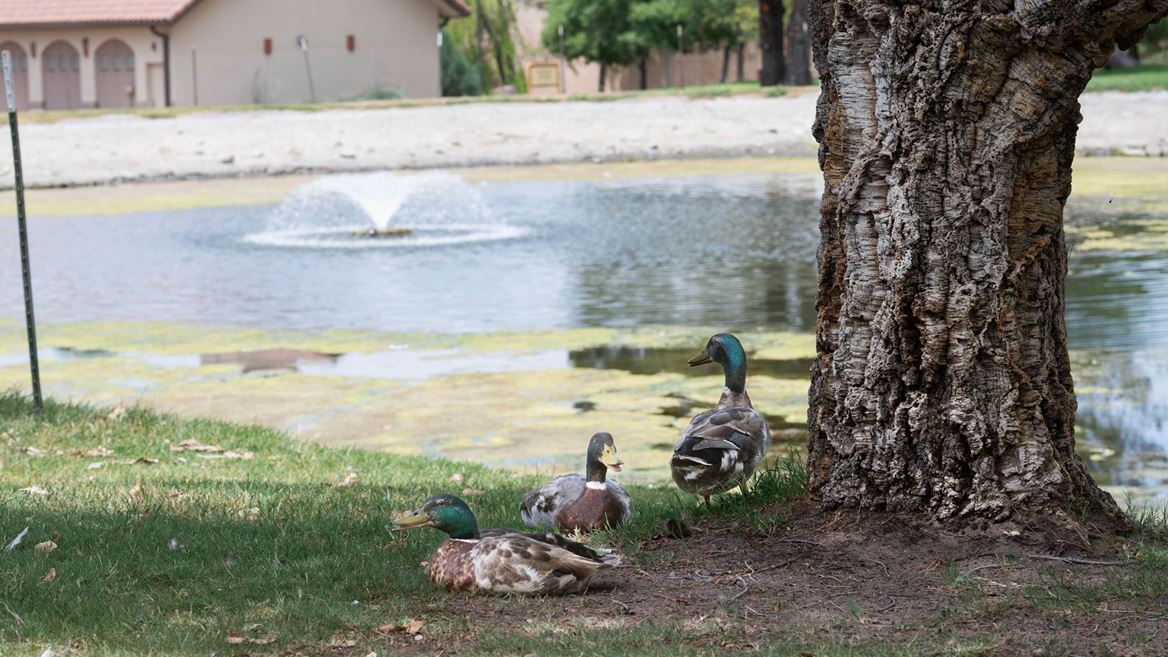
(847, 579)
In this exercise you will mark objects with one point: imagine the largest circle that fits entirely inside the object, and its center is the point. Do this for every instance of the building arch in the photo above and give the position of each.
(115, 62)
(19, 73)
(61, 76)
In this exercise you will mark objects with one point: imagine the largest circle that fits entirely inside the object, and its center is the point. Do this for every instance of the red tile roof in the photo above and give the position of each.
(30, 13)
(38, 13)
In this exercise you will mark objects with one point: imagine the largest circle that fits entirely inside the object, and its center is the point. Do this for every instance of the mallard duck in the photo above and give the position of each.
(721, 447)
(575, 503)
(501, 560)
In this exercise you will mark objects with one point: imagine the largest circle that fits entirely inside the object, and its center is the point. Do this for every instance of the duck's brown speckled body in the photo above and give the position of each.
(575, 503)
(502, 560)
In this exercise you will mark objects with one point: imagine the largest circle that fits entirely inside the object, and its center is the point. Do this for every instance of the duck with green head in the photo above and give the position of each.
(501, 560)
(721, 447)
(580, 503)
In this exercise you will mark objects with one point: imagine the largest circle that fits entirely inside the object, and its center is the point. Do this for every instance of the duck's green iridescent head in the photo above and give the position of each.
(445, 512)
(602, 456)
(727, 351)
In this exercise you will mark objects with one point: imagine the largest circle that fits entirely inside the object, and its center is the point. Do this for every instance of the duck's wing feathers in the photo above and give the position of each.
(553, 539)
(517, 563)
(719, 448)
(539, 507)
(626, 501)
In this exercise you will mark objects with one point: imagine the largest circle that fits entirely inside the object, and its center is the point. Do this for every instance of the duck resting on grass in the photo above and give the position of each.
(580, 503)
(501, 560)
(721, 447)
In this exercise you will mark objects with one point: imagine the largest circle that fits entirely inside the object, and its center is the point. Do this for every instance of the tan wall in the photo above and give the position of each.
(147, 50)
(218, 46)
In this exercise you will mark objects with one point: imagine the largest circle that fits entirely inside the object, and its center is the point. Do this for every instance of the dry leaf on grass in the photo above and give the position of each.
(99, 451)
(33, 451)
(34, 490)
(117, 414)
(412, 626)
(349, 480)
(246, 456)
(50, 576)
(456, 477)
(471, 492)
(45, 547)
(192, 445)
(136, 489)
(141, 460)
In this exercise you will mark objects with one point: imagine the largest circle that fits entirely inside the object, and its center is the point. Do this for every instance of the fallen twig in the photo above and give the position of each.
(1084, 562)
(622, 605)
(741, 593)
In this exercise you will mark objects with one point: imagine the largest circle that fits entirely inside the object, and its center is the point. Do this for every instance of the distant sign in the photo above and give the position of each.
(543, 76)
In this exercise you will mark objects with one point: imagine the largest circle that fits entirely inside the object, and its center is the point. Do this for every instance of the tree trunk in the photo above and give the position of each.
(725, 64)
(798, 47)
(770, 24)
(643, 65)
(742, 62)
(603, 73)
(942, 382)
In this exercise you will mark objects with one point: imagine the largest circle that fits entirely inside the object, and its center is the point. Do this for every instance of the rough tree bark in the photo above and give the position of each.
(770, 29)
(798, 47)
(946, 130)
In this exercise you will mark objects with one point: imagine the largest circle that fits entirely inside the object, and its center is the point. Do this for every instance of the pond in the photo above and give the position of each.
(729, 251)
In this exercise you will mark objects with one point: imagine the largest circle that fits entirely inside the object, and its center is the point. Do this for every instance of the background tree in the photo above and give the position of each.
(746, 27)
(500, 63)
(459, 77)
(798, 45)
(598, 31)
(707, 25)
(946, 131)
(770, 28)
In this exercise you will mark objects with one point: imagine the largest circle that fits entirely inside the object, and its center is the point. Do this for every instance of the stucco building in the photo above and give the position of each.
(151, 53)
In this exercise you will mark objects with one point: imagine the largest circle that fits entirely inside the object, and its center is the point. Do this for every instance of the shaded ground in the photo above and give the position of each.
(826, 583)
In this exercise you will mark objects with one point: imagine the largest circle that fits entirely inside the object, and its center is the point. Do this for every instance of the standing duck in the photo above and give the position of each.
(575, 503)
(501, 560)
(721, 447)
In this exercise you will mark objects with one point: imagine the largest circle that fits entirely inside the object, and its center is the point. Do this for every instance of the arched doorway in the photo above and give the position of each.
(115, 74)
(19, 73)
(61, 71)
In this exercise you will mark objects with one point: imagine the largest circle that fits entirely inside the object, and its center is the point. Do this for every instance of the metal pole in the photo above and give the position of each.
(680, 54)
(30, 320)
(302, 42)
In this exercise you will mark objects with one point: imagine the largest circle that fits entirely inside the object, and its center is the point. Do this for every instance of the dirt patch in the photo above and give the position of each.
(835, 579)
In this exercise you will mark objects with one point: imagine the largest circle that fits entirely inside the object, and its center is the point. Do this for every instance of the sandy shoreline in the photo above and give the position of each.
(121, 148)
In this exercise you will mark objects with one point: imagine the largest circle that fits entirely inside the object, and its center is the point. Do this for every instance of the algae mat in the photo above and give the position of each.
(527, 401)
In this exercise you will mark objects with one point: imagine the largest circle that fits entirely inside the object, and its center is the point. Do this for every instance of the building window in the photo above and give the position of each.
(117, 62)
(49, 64)
(24, 64)
(129, 62)
(103, 63)
(76, 63)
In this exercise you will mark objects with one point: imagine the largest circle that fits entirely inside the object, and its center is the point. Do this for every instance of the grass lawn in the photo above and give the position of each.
(165, 550)
(1145, 77)
(266, 546)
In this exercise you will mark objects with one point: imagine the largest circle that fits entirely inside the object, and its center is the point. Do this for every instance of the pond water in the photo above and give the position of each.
(734, 251)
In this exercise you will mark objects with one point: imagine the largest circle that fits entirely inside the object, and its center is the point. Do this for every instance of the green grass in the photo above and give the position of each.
(169, 552)
(380, 98)
(1145, 77)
